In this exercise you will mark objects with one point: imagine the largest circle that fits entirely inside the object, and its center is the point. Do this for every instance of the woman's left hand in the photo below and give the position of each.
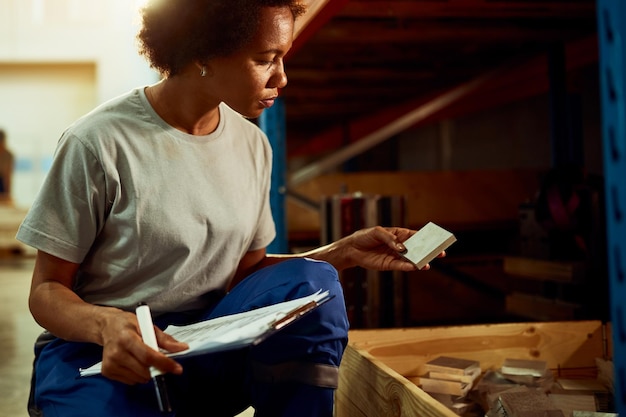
(379, 248)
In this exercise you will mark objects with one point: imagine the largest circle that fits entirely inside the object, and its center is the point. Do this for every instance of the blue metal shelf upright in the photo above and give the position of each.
(272, 122)
(612, 67)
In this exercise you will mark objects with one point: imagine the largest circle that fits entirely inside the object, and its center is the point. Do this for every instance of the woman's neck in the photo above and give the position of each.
(178, 101)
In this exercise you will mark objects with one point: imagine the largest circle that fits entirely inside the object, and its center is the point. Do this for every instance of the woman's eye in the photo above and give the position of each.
(265, 62)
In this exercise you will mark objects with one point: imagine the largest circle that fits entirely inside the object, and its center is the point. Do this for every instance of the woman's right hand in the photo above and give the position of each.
(57, 308)
(126, 358)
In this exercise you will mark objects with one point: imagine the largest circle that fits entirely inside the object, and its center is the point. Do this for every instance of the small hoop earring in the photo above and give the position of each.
(203, 71)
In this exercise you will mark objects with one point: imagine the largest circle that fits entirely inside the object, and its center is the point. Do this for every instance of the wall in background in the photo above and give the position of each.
(58, 60)
(38, 103)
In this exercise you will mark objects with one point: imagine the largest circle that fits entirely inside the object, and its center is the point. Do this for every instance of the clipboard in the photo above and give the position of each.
(235, 331)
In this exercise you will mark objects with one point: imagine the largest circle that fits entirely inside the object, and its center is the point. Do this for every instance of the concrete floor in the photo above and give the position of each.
(18, 331)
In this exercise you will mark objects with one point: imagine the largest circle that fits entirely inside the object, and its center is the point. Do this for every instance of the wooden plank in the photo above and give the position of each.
(560, 344)
(452, 199)
(534, 307)
(467, 379)
(591, 385)
(442, 386)
(559, 271)
(367, 387)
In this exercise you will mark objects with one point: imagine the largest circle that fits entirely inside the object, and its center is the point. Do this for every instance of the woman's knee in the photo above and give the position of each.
(286, 280)
(311, 273)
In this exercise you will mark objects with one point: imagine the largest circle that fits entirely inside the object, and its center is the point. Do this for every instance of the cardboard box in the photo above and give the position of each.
(378, 365)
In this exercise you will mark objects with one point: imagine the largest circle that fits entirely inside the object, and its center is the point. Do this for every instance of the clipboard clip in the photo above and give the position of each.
(290, 317)
(293, 315)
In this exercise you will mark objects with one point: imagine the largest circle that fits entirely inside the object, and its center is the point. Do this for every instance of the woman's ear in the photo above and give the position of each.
(203, 68)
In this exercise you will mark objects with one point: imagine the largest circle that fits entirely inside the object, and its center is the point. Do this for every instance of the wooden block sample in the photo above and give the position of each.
(426, 244)
(453, 366)
(449, 375)
(524, 367)
(592, 385)
(441, 386)
(467, 379)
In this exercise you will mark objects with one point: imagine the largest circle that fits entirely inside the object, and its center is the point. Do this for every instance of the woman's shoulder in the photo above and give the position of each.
(126, 105)
(121, 112)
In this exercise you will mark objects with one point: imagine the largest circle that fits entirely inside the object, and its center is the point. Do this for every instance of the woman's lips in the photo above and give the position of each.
(268, 102)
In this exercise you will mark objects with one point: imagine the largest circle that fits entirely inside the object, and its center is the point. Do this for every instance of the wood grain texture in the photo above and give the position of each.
(442, 386)
(561, 344)
(468, 379)
(367, 387)
(479, 198)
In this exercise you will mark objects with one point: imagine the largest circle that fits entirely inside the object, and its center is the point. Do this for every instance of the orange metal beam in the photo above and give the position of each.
(523, 81)
(468, 9)
(318, 13)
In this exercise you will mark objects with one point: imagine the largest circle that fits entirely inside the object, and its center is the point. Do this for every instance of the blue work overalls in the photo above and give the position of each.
(292, 373)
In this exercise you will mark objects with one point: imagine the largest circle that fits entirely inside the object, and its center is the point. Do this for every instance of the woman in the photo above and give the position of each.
(161, 196)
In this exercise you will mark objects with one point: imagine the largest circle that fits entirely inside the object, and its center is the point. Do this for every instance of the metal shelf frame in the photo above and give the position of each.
(611, 16)
(272, 122)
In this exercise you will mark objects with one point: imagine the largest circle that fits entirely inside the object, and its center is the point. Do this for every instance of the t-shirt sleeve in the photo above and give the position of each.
(69, 210)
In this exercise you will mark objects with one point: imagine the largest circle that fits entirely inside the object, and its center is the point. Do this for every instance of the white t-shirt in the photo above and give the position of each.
(151, 213)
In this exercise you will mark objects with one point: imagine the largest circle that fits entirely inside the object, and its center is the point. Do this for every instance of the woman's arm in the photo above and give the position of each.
(57, 308)
(374, 248)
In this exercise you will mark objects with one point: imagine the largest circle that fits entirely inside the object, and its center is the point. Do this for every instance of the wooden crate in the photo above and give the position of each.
(378, 364)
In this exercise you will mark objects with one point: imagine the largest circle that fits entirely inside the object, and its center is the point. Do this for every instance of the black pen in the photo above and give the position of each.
(144, 318)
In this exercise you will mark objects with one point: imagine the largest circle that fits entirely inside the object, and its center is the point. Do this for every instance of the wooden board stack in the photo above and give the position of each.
(531, 373)
(538, 395)
(449, 375)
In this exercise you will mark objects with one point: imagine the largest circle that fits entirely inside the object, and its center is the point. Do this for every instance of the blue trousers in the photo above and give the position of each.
(220, 384)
